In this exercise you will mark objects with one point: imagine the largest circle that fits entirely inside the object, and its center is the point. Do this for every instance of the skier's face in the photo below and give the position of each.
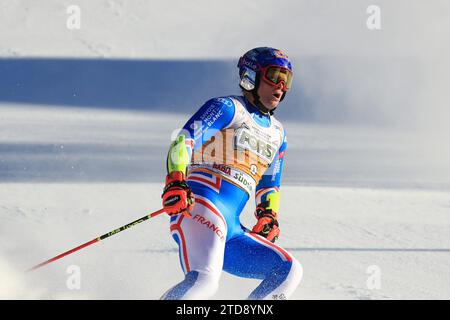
(270, 95)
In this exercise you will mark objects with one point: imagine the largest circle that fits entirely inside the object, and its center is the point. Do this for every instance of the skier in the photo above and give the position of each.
(230, 148)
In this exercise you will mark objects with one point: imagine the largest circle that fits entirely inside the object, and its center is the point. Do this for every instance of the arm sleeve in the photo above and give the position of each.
(268, 189)
(212, 117)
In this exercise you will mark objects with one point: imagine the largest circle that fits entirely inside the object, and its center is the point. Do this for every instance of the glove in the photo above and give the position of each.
(267, 225)
(177, 196)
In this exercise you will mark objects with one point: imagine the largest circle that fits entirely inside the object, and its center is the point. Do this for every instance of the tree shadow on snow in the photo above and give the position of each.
(148, 85)
(168, 86)
(322, 89)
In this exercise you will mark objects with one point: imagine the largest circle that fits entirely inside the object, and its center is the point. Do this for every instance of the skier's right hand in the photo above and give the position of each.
(177, 197)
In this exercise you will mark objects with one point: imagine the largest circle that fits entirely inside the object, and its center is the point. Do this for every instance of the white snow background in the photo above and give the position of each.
(86, 118)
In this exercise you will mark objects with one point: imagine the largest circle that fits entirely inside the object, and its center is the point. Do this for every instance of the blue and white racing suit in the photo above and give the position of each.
(235, 150)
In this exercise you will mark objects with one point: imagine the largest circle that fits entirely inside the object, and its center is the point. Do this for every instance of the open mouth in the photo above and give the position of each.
(277, 95)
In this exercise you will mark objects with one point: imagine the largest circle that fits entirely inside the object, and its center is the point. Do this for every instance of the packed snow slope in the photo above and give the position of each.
(86, 117)
(83, 172)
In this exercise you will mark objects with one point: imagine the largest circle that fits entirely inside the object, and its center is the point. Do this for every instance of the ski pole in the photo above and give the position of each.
(106, 235)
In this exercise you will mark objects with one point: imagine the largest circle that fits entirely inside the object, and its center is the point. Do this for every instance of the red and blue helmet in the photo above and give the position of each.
(264, 63)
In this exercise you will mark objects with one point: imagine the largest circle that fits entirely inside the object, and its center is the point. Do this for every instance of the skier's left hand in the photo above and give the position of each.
(267, 225)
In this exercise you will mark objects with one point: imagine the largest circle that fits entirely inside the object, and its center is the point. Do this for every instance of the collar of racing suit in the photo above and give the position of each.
(258, 108)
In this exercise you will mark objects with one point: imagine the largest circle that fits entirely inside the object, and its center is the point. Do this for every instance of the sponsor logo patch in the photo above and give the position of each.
(225, 169)
(245, 140)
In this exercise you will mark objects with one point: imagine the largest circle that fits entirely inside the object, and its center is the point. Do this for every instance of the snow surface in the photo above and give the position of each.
(86, 117)
(78, 177)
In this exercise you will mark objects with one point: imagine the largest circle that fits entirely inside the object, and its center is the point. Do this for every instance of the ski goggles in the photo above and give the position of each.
(273, 75)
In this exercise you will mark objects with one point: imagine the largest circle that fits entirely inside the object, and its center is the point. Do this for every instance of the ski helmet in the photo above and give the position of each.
(252, 65)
